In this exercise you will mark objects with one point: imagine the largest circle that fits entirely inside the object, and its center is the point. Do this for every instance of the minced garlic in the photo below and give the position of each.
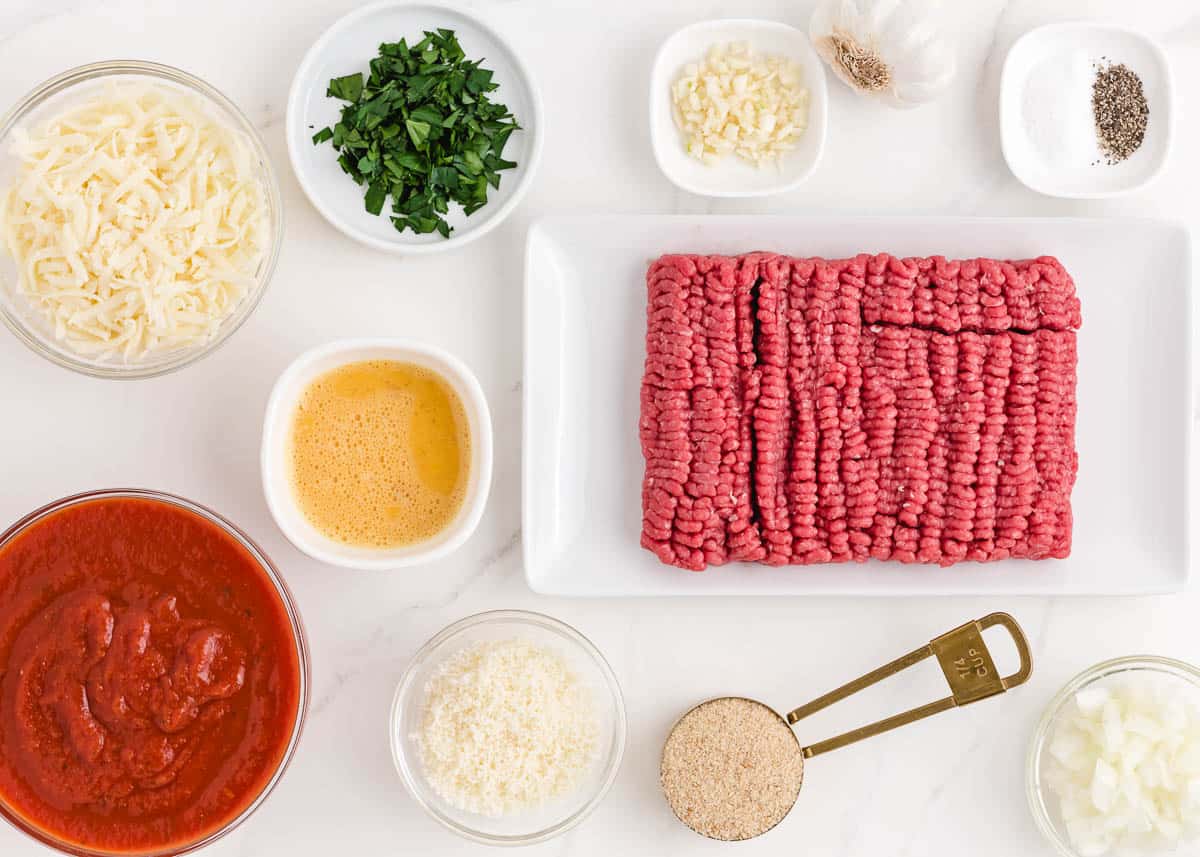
(738, 102)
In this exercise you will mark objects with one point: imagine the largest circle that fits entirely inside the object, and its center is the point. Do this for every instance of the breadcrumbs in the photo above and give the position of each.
(731, 768)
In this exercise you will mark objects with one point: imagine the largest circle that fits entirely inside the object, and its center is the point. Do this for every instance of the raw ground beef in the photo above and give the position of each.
(800, 411)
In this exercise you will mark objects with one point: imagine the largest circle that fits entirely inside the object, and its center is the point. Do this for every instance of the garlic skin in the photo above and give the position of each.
(888, 49)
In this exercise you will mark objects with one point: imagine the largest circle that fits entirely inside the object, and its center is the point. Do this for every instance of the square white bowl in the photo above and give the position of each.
(1100, 42)
(281, 499)
(733, 177)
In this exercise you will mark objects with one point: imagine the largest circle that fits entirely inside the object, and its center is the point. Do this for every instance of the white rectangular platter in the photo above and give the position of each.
(585, 344)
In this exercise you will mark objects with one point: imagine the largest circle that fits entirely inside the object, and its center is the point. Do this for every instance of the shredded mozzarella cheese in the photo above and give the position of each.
(507, 726)
(137, 222)
(739, 102)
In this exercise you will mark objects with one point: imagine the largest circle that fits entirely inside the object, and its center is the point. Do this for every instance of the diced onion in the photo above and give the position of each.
(136, 221)
(736, 101)
(1124, 764)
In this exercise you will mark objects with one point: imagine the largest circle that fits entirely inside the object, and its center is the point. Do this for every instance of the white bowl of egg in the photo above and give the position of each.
(377, 453)
(737, 108)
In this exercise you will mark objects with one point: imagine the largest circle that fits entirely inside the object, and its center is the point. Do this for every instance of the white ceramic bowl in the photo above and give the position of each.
(593, 672)
(274, 456)
(348, 46)
(1026, 61)
(732, 177)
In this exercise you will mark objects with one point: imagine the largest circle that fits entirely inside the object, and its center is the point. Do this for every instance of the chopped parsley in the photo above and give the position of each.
(422, 130)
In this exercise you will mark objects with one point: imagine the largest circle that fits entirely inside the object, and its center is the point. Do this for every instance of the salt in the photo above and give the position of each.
(1056, 110)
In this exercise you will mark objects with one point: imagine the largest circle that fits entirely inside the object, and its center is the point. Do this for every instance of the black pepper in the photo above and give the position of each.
(1120, 108)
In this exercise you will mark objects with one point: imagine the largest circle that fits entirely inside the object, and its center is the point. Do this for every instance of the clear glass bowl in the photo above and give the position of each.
(289, 604)
(589, 665)
(1175, 674)
(28, 322)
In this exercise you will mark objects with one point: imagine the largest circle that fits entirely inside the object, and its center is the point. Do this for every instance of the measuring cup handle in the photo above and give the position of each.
(966, 663)
(1018, 637)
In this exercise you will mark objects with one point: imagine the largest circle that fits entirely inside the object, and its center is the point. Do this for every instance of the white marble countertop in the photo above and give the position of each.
(951, 785)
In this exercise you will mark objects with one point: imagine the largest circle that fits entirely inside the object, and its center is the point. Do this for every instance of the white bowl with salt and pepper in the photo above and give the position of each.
(732, 177)
(1048, 128)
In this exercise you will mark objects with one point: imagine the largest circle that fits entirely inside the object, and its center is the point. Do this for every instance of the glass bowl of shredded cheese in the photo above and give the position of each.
(1114, 767)
(508, 727)
(140, 219)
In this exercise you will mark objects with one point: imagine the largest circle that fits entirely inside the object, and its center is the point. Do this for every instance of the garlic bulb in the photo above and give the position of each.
(889, 49)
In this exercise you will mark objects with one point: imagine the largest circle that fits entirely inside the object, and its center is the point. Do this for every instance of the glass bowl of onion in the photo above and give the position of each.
(1114, 766)
(140, 219)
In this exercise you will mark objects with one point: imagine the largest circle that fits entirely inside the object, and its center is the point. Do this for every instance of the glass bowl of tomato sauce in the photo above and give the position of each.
(154, 675)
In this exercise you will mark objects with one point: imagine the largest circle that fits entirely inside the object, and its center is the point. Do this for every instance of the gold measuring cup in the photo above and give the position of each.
(707, 809)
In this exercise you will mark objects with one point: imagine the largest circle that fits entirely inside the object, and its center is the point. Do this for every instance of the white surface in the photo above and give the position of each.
(1032, 58)
(348, 46)
(731, 176)
(585, 320)
(953, 784)
(281, 408)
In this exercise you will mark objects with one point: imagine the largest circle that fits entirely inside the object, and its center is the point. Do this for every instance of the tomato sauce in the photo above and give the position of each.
(149, 676)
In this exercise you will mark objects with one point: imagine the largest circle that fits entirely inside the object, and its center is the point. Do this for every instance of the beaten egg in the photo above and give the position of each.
(380, 453)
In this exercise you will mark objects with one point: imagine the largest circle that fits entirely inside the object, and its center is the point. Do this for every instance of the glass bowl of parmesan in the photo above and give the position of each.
(1114, 767)
(140, 219)
(508, 727)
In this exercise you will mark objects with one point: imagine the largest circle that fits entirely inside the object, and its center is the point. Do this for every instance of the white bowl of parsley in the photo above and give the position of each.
(413, 127)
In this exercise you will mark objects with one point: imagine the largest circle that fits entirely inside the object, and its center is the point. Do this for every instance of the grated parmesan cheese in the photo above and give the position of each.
(507, 726)
(136, 221)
